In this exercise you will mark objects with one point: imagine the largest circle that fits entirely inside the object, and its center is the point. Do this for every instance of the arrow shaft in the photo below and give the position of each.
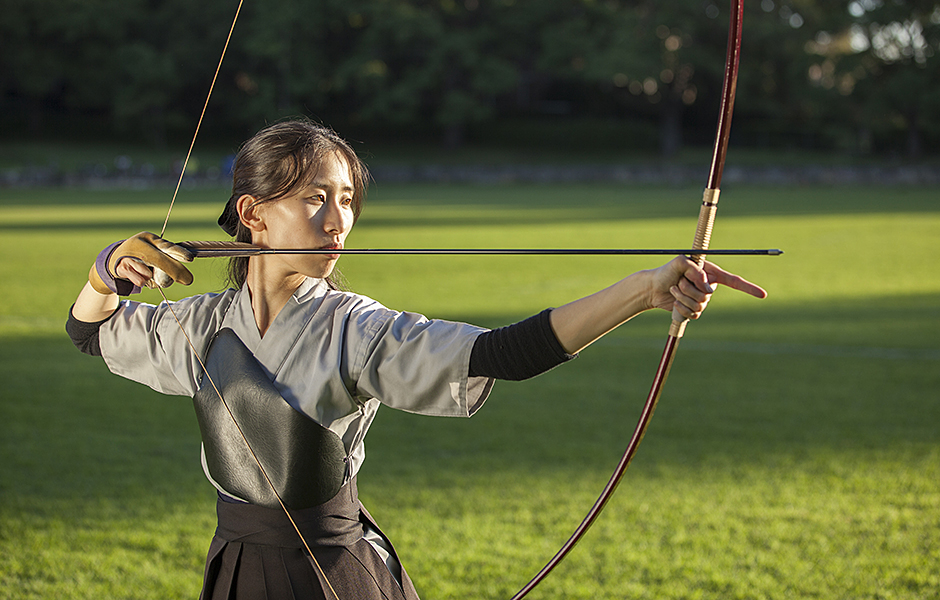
(210, 252)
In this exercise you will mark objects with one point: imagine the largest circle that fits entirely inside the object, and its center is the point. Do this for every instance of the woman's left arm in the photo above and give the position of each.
(679, 284)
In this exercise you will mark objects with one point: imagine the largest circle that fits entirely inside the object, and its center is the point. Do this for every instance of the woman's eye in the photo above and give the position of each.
(347, 201)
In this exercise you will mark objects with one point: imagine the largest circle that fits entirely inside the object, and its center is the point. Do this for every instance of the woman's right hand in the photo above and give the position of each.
(141, 260)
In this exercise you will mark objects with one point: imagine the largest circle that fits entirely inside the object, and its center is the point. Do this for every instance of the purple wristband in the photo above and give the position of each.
(121, 287)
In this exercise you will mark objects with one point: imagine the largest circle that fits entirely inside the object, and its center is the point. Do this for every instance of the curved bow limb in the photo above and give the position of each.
(678, 324)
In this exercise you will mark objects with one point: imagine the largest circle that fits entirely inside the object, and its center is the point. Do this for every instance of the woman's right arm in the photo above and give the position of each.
(125, 267)
(92, 306)
(122, 268)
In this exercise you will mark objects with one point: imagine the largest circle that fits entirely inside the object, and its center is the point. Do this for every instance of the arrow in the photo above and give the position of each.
(233, 249)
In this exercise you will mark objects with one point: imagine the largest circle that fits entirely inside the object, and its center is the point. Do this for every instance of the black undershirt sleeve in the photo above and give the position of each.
(84, 335)
(520, 351)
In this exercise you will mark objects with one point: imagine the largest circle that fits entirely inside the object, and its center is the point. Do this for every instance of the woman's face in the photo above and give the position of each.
(317, 216)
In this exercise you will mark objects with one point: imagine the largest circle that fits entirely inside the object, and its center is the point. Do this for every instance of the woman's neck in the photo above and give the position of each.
(269, 294)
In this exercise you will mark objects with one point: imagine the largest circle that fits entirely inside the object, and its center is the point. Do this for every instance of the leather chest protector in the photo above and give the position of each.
(305, 461)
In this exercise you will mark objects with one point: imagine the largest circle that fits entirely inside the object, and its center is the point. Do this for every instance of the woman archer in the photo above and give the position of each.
(306, 365)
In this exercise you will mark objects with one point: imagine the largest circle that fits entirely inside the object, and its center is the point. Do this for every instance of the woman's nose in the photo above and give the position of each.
(337, 219)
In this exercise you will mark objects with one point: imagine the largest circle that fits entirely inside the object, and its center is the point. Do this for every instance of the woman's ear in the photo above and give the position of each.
(248, 213)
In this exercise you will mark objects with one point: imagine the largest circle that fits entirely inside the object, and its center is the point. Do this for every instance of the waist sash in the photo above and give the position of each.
(305, 461)
(336, 522)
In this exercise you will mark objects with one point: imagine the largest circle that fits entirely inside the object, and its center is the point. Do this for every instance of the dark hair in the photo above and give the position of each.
(278, 160)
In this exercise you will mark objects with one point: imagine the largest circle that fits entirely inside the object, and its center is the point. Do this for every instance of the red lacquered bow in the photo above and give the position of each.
(677, 327)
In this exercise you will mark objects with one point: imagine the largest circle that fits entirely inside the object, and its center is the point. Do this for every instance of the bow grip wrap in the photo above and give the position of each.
(304, 463)
(703, 234)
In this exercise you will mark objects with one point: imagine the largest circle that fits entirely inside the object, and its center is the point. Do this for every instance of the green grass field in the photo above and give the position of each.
(795, 452)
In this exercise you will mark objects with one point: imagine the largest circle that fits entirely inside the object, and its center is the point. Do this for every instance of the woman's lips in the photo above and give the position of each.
(332, 247)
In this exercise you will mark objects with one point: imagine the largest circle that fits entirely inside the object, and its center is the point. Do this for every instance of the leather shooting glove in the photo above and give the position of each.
(151, 251)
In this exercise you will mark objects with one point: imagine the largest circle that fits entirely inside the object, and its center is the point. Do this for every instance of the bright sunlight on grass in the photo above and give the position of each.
(795, 452)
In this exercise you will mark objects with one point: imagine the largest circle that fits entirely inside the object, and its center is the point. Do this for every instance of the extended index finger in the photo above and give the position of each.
(718, 275)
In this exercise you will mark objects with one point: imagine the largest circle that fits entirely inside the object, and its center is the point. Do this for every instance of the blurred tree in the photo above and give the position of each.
(653, 60)
(847, 74)
(165, 64)
(868, 74)
(438, 62)
(284, 58)
(58, 56)
(896, 68)
(778, 104)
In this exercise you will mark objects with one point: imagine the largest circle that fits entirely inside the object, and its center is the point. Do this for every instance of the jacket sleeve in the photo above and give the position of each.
(144, 343)
(414, 364)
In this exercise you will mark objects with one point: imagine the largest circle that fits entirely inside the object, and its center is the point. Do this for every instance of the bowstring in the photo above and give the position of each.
(205, 106)
(192, 347)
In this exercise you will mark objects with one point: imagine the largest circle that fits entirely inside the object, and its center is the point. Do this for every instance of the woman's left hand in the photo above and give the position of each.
(682, 285)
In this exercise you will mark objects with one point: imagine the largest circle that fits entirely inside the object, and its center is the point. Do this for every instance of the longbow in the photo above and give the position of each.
(677, 327)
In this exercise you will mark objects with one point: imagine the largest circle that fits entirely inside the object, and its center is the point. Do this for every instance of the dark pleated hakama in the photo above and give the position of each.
(257, 555)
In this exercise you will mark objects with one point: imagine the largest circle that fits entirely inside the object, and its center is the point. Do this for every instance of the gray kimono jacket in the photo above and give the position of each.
(334, 356)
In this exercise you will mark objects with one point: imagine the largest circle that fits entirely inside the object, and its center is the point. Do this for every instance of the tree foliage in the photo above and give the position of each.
(854, 75)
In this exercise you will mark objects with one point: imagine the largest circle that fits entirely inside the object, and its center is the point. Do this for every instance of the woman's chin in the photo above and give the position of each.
(322, 271)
